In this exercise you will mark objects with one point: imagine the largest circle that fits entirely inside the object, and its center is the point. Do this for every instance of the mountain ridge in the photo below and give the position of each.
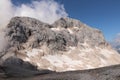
(65, 45)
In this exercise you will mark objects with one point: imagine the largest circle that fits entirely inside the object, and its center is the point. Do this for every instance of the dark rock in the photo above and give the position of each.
(15, 67)
(17, 62)
(105, 73)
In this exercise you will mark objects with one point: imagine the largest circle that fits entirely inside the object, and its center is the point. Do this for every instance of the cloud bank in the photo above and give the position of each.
(6, 12)
(46, 11)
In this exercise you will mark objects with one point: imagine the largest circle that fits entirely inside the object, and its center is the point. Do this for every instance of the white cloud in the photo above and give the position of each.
(47, 11)
(6, 12)
(3, 41)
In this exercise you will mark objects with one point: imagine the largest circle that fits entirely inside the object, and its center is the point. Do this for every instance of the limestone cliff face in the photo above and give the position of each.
(65, 45)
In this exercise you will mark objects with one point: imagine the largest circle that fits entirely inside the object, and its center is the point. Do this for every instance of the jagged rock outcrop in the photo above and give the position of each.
(65, 45)
(71, 33)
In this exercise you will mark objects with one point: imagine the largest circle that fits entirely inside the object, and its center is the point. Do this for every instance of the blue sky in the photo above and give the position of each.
(101, 14)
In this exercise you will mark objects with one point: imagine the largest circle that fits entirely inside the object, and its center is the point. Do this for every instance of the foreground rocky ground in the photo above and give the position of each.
(106, 73)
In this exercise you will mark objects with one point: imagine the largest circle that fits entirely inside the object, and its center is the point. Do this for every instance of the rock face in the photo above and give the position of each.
(15, 67)
(65, 45)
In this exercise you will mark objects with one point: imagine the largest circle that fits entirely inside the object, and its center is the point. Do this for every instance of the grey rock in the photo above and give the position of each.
(92, 36)
(16, 67)
(67, 23)
(23, 30)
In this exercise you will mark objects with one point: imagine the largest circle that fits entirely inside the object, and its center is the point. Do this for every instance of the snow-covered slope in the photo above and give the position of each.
(65, 45)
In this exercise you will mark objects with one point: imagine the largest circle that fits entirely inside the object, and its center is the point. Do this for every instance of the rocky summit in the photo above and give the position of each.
(65, 45)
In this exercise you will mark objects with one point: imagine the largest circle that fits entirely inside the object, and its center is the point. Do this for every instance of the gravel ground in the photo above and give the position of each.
(106, 73)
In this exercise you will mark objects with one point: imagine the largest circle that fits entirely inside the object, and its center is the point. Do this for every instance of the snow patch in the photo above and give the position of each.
(54, 60)
(75, 27)
(106, 53)
(59, 60)
(33, 52)
(70, 31)
(72, 48)
(85, 44)
(27, 59)
(38, 64)
(104, 62)
(55, 29)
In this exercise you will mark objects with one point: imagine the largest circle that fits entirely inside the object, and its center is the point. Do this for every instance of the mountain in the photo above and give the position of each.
(116, 43)
(66, 45)
(116, 46)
